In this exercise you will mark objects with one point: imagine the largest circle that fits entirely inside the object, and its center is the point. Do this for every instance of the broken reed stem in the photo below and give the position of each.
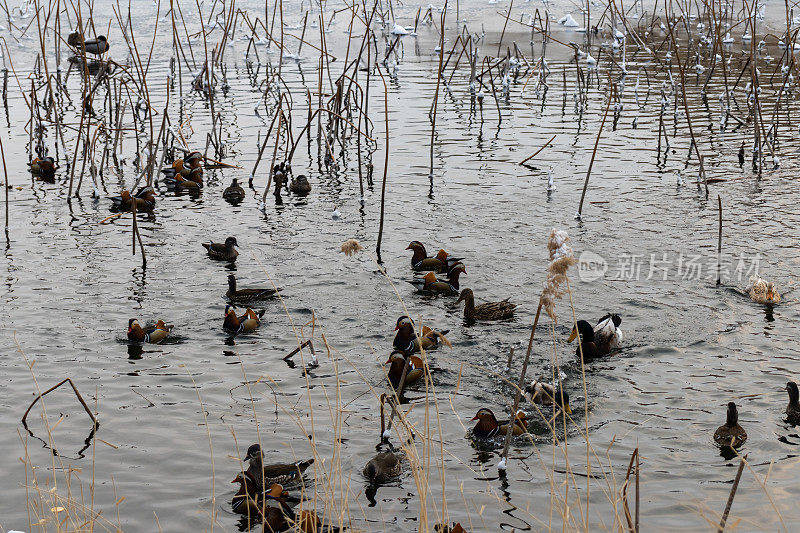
(537, 151)
(438, 83)
(729, 504)
(385, 163)
(594, 154)
(719, 239)
(521, 384)
(51, 389)
(5, 183)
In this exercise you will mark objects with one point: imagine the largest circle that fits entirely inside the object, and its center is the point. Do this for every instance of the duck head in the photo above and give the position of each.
(584, 329)
(465, 295)
(458, 268)
(403, 323)
(132, 324)
(484, 415)
(733, 415)
(232, 282)
(562, 400)
(419, 251)
(794, 394)
(193, 158)
(254, 451)
(230, 242)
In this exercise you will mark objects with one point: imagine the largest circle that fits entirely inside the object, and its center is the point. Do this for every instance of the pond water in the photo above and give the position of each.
(176, 417)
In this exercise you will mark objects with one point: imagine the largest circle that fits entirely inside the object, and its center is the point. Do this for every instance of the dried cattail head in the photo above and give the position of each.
(763, 292)
(561, 258)
(351, 247)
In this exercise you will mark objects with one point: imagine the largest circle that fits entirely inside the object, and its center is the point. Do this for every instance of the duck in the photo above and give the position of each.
(247, 323)
(442, 262)
(150, 334)
(547, 395)
(43, 166)
(407, 341)
(486, 311)
(300, 185)
(93, 46)
(183, 184)
(177, 168)
(489, 427)
(600, 340)
(266, 475)
(234, 194)
(248, 502)
(397, 362)
(222, 252)
(793, 409)
(763, 292)
(383, 467)
(247, 295)
(731, 434)
(145, 200)
(430, 283)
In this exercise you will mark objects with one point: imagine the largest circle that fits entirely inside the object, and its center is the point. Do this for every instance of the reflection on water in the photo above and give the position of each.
(71, 284)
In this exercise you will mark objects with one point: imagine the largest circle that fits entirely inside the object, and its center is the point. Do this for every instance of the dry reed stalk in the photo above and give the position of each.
(594, 154)
(729, 503)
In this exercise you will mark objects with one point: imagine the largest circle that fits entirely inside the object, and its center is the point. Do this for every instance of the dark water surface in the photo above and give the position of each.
(175, 413)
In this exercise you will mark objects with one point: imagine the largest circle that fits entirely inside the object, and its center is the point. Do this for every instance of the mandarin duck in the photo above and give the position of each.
(145, 200)
(420, 260)
(247, 323)
(150, 334)
(406, 339)
(397, 362)
(430, 283)
(489, 427)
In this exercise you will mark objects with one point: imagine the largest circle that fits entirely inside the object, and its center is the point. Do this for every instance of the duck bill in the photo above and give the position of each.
(409, 247)
(572, 335)
(567, 409)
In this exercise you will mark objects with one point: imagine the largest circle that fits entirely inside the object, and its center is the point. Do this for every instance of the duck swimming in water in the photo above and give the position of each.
(598, 340)
(442, 262)
(731, 434)
(486, 311)
(489, 427)
(431, 284)
(407, 341)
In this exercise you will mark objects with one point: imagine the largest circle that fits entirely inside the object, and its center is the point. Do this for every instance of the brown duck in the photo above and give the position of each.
(731, 433)
(234, 194)
(397, 360)
(247, 323)
(383, 467)
(44, 167)
(489, 427)
(247, 295)
(487, 311)
(247, 501)
(145, 201)
(267, 475)
(150, 334)
(222, 251)
(430, 283)
(406, 340)
(442, 262)
(793, 409)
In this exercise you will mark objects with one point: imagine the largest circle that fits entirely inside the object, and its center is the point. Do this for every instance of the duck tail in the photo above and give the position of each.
(370, 472)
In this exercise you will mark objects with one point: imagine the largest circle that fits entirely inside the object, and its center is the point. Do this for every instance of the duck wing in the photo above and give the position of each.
(495, 310)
